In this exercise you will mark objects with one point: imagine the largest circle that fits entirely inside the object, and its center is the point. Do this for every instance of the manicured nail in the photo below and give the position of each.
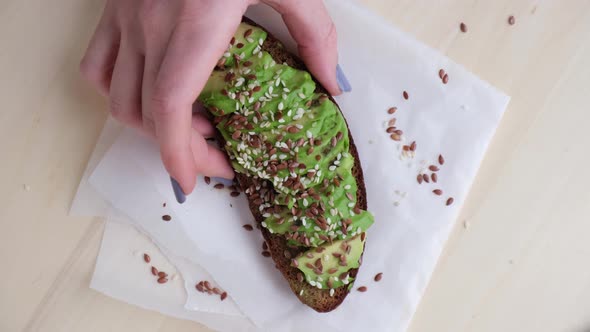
(225, 182)
(180, 196)
(343, 83)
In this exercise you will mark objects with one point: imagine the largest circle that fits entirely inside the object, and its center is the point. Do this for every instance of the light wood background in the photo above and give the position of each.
(518, 260)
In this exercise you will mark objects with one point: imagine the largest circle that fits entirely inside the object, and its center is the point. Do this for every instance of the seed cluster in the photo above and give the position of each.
(234, 189)
(433, 177)
(205, 287)
(161, 276)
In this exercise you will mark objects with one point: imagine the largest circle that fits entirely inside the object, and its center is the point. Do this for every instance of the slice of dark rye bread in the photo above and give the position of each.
(318, 299)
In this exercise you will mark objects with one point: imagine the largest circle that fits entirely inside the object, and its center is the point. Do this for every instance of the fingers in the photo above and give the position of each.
(193, 50)
(125, 89)
(97, 64)
(210, 161)
(202, 125)
(312, 28)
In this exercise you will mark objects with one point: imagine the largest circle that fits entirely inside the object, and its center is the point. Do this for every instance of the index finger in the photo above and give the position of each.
(194, 49)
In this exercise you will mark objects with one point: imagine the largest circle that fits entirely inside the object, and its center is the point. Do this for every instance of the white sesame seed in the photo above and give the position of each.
(331, 292)
(332, 168)
(347, 187)
(351, 204)
(301, 95)
(301, 292)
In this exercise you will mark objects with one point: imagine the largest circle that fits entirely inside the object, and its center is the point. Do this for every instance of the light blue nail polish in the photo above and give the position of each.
(180, 196)
(343, 83)
(225, 182)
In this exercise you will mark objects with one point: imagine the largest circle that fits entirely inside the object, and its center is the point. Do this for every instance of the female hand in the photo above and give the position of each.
(153, 57)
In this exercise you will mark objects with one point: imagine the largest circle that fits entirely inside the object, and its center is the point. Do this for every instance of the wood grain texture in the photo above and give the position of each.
(520, 265)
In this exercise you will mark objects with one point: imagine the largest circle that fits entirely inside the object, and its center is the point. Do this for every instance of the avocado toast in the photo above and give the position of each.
(296, 161)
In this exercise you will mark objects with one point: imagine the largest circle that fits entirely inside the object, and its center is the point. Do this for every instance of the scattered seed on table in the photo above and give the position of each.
(166, 217)
(162, 274)
(511, 20)
(433, 168)
(437, 192)
(441, 73)
(362, 289)
(219, 186)
(406, 148)
(395, 137)
(216, 291)
(406, 95)
(154, 271)
(445, 79)
(223, 296)
(164, 204)
(419, 178)
(413, 146)
(199, 287)
(146, 258)
(434, 177)
(426, 178)
(390, 130)
(248, 227)
(392, 110)
(441, 160)
(235, 194)
(378, 276)
(463, 27)
(207, 180)
(450, 201)
(162, 280)
(392, 122)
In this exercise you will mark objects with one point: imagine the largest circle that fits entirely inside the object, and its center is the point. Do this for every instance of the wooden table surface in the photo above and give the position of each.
(518, 259)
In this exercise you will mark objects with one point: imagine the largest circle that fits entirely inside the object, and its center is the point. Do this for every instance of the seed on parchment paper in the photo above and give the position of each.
(463, 27)
(426, 178)
(219, 186)
(445, 79)
(511, 20)
(450, 201)
(162, 280)
(441, 159)
(199, 287)
(362, 289)
(419, 178)
(378, 276)
(164, 204)
(248, 227)
(166, 217)
(406, 148)
(223, 296)
(390, 130)
(413, 146)
(434, 177)
(392, 122)
(216, 291)
(437, 192)
(235, 194)
(146, 258)
(406, 95)
(441, 73)
(207, 180)
(392, 110)
(433, 168)
(162, 274)
(154, 271)
(395, 137)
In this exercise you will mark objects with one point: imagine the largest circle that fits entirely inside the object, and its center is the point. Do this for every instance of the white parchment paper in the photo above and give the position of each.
(412, 224)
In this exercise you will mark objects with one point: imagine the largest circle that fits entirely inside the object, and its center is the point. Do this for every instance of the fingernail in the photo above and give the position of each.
(180, 196)
(343, 83)
(225, 182)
